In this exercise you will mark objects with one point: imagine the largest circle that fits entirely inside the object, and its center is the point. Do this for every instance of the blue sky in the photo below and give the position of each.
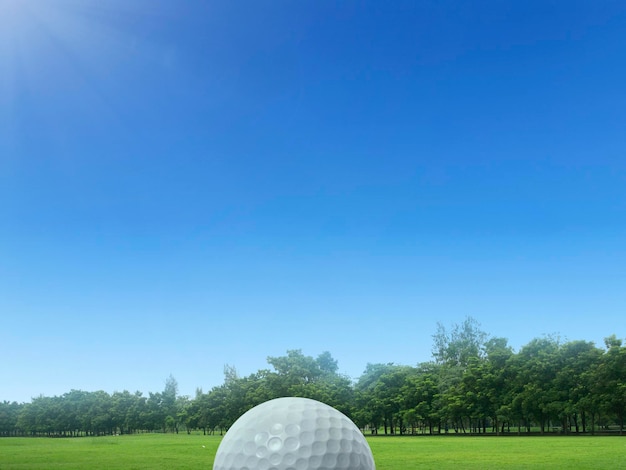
(185, 185)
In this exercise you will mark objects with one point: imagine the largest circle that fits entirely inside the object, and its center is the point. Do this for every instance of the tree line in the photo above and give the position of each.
(474, 384)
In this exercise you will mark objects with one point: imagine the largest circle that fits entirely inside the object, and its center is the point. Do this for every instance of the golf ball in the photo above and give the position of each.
(293, 434)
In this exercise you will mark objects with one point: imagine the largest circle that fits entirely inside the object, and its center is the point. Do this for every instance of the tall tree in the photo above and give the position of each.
(578, 358)
(457, 346)
(371, 409)
(454, 350)
(539, 363)
(611, 380)
(169, 409)
(9, 413)
(419, 394)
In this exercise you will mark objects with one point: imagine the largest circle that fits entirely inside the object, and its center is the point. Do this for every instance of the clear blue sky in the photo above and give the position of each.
(190, 184)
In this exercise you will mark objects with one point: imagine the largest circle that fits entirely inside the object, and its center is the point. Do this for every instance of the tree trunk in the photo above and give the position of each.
(593, 423)
(583, 420)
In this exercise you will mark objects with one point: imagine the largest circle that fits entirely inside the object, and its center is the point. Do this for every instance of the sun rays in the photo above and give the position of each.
(62, 60)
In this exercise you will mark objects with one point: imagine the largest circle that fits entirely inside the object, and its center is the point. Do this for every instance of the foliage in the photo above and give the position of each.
(476, 384)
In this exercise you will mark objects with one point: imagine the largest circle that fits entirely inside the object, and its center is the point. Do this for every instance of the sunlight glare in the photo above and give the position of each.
(56, 58)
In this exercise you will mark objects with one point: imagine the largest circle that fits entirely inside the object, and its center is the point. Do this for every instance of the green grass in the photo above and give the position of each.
(145, 451)
(168, 451)
(407, 453)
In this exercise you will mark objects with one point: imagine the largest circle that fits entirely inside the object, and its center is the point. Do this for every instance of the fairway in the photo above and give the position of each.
(169, 451)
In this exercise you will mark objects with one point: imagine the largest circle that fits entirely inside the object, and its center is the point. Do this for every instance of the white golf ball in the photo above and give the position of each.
(293, 434)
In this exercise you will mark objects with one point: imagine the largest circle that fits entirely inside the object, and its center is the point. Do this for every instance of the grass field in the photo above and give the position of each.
(168, 451)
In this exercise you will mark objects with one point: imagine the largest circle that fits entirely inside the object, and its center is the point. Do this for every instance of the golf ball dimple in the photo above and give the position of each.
(293, 434)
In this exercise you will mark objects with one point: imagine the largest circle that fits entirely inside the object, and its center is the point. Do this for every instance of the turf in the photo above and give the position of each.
(167, 451)
(439, 453)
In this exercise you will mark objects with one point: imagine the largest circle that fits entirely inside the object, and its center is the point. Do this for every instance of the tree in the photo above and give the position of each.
(497, 381)
(9, 414)
(291, 372)
(154, 417)
(101, 413)
(458, 346)
(369, 412)
(577, 359)
(169, 404)
(538, 364)
(387, 394)
(610, 380)
(419, 394)
(327, 364)
(454, 351)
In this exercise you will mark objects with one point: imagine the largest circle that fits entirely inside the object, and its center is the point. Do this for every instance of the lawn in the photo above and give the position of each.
(407, 453)
(168, 451)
